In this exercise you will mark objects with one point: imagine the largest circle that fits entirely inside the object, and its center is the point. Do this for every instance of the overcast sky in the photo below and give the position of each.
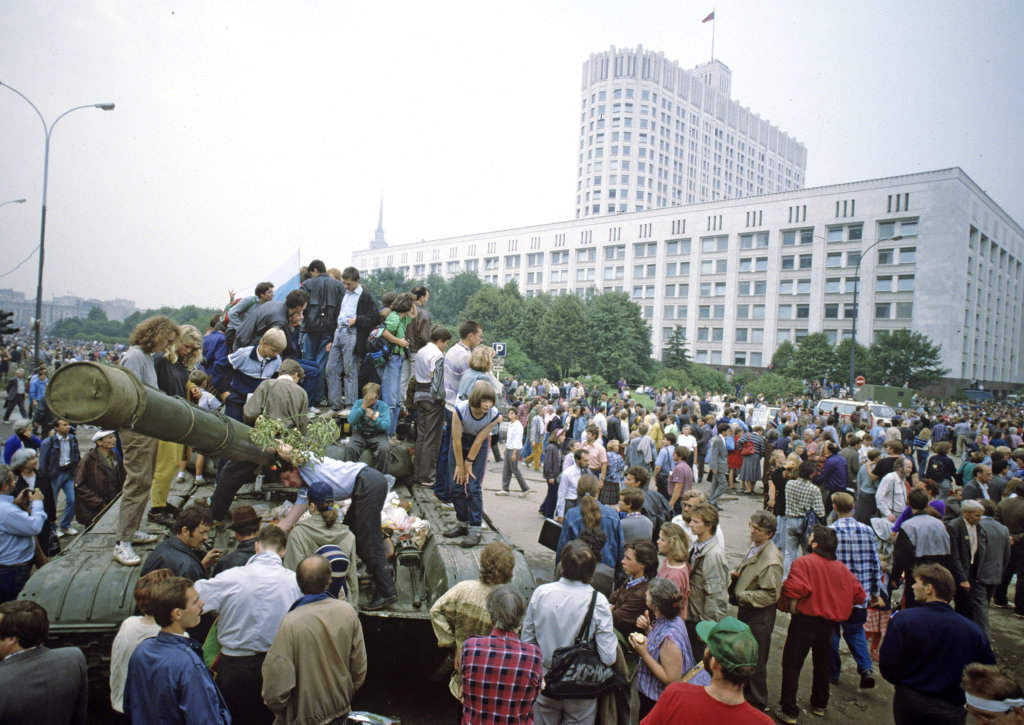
(245, 129)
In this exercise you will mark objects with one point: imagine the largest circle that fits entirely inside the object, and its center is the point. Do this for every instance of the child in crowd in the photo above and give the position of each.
(201, 398)
(369, 421)
(634, 523)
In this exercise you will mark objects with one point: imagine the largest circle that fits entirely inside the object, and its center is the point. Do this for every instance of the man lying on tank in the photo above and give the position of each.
(367, 488)
(369, 421)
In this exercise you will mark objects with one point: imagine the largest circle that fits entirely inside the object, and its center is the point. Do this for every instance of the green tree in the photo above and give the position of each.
(774, 386)
(618, 341)
(497, 310)
(381, 281)
(783, 358)
(814, 357)
(96, 314)
(676, 355)
(518, 362)
(672, 378)
(861, 362)
(528, 333)
(708, 379)
(901, 357)
(448, 299)
(563, 334)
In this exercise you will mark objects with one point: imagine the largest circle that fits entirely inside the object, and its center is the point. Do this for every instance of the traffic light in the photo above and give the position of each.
(6, 320)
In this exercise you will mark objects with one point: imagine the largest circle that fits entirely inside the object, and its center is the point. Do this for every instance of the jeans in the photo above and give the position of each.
(391, 376)
(443, 481)
(779, 538)
(65, 481)
(794, 543)
(577, 711)
(853, 633)
(342, 364)
(311, 379)
(314, 349)
(407, 368)
(377, 443)
(805, 634)
(468, 499)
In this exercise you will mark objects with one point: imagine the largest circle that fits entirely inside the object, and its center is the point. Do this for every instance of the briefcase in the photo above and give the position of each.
(550, 533)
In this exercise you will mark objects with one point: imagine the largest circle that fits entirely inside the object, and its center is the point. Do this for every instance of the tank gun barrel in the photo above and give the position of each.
(103, 395)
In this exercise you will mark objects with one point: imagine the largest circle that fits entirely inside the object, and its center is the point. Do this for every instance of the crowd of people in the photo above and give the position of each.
(867, 530)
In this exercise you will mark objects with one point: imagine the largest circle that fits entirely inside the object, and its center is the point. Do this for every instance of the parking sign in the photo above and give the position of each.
(499, 349)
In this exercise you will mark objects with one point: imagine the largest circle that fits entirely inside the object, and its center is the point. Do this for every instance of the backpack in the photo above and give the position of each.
(806, 526)
(378, 350)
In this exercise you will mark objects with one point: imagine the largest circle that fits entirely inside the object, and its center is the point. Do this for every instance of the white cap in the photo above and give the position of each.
(101, 434)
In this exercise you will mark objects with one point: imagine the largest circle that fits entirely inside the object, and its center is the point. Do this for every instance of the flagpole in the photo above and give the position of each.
(713, 18)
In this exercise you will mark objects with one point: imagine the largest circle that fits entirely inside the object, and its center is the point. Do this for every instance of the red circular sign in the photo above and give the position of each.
(860, 381)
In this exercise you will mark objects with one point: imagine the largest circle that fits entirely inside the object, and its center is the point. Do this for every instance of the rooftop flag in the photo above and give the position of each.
(709, 17)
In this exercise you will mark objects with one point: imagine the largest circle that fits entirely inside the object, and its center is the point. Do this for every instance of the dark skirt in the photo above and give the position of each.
(609, 493)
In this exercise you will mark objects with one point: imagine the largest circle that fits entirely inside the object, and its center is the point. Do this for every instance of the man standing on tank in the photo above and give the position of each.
(356, 319)
(321, 317)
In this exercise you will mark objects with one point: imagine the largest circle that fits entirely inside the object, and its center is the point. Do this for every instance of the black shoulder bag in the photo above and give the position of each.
(577, 670)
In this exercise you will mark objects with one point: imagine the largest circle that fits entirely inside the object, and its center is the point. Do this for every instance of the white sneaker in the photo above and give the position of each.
(501, 493)
(447, 506)
(70, 531)
(60, 533)
(141, 537)
(524, 494)
(124, 554)
(200, 480)
(180, 476)
(314, 411)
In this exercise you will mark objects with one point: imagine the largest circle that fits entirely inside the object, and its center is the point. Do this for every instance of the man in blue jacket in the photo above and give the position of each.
(167, 682)
(58, 460)
(833, 476)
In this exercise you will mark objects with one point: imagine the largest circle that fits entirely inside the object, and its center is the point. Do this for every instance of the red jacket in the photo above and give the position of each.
(822, 588)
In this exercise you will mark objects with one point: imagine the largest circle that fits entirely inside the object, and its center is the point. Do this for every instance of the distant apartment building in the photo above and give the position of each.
(740, 276)
(655, 135)
(60, 308)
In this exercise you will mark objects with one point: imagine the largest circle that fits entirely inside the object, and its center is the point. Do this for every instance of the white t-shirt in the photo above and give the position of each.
(426, 359)
(132, 633)
(514, 436)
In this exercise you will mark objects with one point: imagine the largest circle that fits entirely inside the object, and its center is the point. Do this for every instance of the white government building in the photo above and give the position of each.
(743, 275)
(655, 135)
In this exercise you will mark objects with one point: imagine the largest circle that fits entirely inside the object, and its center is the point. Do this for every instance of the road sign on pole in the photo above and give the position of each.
(499, 349)
(860, 381)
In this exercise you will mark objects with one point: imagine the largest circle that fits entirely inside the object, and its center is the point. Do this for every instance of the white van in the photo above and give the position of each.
(879, 411)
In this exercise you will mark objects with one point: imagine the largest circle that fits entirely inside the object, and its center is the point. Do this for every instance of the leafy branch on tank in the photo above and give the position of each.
(272, 432)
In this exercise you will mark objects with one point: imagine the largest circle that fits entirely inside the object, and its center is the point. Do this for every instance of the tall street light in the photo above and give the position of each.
(13, 201)
(856, 304)
(47, 130)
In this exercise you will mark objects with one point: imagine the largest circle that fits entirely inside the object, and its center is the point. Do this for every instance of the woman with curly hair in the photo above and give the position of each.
(151, 336)
(173, 367)
(461, 612)
(640, 565)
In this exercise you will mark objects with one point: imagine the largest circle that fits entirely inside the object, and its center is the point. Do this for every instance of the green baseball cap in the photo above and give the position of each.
(730, 641)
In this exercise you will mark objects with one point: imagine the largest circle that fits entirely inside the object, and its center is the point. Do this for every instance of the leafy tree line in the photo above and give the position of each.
(895, 358)
(96, 326)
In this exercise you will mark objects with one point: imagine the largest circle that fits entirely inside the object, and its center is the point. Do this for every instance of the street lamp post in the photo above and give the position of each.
(13, 201)
(47, 130)
(856, 304)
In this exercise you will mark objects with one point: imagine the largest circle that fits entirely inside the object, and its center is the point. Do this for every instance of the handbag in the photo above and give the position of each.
(577, 670)
(378, 350)
(748, 449)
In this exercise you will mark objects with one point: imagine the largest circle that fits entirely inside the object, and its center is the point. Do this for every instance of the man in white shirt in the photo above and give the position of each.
(429, 363)
(567, 496)
(251, 600)
(513, 442)
(601, 421)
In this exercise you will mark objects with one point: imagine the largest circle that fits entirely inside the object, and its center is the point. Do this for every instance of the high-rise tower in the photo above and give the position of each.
(653, 135)
(379, 242)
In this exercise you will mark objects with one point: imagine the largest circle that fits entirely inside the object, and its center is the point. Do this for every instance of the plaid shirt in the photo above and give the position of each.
(801, 495)
(939, 432)
(501, 678)
(858, 551)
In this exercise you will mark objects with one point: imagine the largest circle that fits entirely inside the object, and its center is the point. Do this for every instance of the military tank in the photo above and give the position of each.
(87, 594)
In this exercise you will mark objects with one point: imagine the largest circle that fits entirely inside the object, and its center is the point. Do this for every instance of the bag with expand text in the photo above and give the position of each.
(577, 670)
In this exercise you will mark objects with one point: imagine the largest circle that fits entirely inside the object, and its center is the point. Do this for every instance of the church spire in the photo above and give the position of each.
(379, 242)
